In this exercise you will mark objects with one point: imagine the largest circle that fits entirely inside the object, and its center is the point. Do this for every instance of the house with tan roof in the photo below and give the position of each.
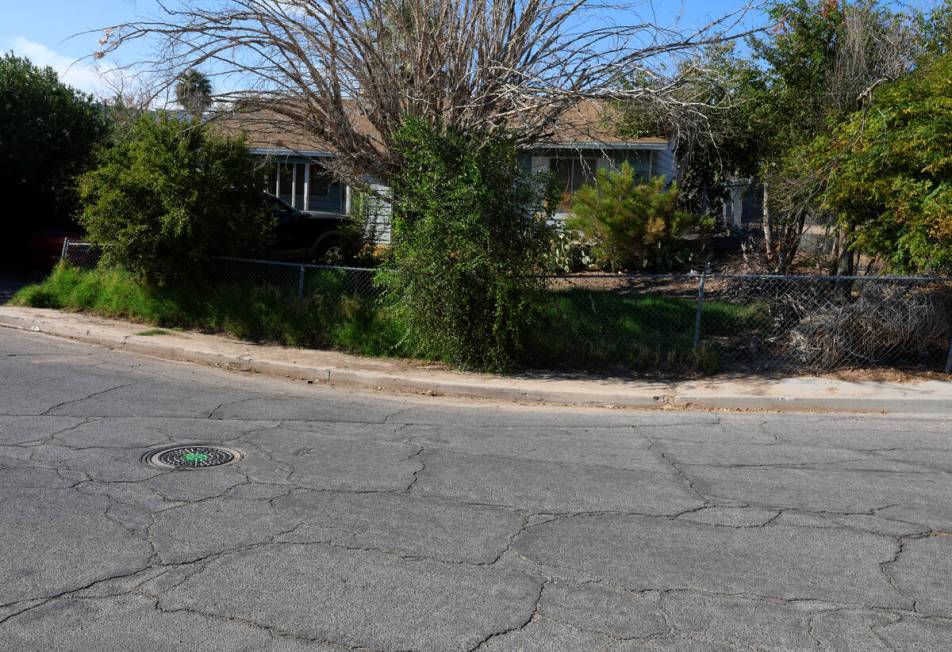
(587, 142)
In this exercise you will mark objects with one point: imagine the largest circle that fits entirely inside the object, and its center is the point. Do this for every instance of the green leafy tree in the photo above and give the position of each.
(890, 171)
(47, 135)
(799, 58)
(741, 114)
(194, 92)
(715, 135)
(817, 65)
(632, 224)
(469, 241)
(790, 105)
(167, 195)
(820, 63)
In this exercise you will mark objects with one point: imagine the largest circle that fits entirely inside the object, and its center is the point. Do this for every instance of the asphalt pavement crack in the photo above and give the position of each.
(62, 594)
(273, 631)
(512, 539)
(418, 455)
(678, 471)
(376, 501)
(532, 616)
(84, 398)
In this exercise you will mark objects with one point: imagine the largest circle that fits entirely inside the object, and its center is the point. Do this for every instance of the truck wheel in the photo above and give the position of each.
(328, 250)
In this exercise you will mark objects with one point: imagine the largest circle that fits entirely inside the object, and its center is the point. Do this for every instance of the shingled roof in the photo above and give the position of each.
(595, 124)
(588, 125)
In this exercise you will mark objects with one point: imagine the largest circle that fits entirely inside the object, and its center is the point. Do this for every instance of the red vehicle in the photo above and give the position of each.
(46, 247)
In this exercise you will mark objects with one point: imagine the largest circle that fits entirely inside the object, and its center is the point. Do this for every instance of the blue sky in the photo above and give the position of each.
(42, 30)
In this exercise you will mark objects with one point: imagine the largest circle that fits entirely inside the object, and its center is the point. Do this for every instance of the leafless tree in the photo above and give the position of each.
(874, 50)
(349, 71)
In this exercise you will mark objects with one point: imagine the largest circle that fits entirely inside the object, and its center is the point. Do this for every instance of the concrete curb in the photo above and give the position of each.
(792, 394)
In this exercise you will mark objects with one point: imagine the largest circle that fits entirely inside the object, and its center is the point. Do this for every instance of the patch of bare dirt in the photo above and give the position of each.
(888, 375)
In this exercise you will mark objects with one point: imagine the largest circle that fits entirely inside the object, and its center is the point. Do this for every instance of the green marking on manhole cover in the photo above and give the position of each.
(192, 457)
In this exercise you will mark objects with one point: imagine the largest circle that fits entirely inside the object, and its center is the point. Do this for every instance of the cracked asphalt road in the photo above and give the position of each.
(358, 521)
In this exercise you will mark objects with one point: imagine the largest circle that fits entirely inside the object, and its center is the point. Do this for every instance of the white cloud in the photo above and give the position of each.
(79, 74)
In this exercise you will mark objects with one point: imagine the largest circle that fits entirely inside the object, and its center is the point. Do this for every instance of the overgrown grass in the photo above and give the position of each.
(578, 329)
(324, 319)
(585, 329)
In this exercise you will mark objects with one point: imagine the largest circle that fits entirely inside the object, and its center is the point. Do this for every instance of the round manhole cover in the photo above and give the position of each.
(192, 457)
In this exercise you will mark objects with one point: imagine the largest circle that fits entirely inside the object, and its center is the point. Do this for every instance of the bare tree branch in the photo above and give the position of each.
(349, 71)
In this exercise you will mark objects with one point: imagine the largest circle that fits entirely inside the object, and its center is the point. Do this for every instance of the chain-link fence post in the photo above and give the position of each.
(301, 283)
(700, 307)
(65, 248)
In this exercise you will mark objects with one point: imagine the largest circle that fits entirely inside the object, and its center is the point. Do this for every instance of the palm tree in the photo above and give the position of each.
(194, 92)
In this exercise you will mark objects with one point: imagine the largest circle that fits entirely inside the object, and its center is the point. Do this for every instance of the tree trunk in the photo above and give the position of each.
(834, 258)
(768, 230)
(844, 259)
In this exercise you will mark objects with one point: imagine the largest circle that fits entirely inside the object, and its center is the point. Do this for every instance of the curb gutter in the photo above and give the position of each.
(794, 394)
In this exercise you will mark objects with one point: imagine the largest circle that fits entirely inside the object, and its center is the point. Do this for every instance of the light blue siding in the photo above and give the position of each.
(664, 164)
(329, 196)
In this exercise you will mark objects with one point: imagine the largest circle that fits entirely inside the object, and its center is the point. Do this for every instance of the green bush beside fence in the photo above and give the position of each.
(590, 329)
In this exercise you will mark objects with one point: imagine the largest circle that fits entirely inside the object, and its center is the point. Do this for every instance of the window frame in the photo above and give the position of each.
(584, 167)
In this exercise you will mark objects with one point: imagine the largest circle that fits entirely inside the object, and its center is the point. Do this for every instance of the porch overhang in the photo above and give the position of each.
(282, 152)
(659, 146)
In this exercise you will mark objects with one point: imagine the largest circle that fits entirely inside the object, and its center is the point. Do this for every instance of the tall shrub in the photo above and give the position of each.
(48, 132)
(469, 240)
(168, 194)
(889, 171)
(630, 223)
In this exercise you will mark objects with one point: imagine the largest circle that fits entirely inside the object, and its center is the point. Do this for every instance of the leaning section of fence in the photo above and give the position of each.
(823, 323)
(742, 323)
(757, 323)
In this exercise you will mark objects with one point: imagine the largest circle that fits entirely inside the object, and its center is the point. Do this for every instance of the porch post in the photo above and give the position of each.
(307, 185)
(294, 185)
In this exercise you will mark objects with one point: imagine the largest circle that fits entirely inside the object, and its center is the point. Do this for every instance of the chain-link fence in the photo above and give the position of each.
(298, 279)
(743, 323)
(80, 254)
(751, 323)
(295, 279)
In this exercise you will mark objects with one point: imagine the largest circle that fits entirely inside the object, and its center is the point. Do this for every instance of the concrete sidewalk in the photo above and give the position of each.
(329, 367)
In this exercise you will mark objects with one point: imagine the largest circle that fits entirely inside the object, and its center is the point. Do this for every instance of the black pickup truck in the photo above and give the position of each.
(306, 237)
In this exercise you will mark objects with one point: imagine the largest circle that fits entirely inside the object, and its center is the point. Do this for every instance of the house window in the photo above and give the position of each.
(324, 193)
(320, 181)
(640, 160)
(573, 173)
(285, 183)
